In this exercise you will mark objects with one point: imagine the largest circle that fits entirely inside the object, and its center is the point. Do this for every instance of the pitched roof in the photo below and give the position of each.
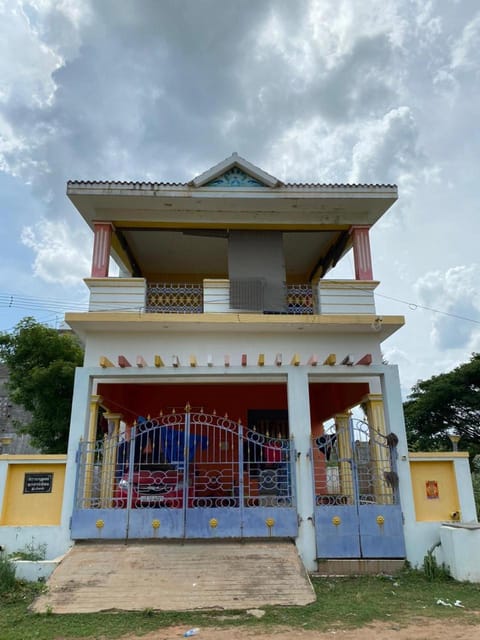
(233, 171)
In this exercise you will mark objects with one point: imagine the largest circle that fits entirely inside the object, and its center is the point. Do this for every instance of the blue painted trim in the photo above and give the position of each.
(235, 177)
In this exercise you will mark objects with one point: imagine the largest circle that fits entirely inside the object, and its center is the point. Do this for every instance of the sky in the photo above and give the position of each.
(331, 91)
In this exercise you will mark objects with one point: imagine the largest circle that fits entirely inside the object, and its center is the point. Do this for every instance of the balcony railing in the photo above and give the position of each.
(174, 298)
(328, 297)
(301, 299)
(189, 298)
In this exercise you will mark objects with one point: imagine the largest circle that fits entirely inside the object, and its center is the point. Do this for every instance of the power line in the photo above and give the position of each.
(10, 300)
(413, 306)
(55, 305)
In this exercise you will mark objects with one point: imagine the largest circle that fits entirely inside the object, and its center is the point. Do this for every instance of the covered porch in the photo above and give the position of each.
(233, 462)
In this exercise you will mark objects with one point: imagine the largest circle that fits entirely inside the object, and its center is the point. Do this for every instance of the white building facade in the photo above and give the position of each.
(222, 366)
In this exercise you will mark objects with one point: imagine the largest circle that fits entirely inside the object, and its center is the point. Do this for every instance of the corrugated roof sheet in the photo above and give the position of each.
(288, 185)
(115, 183)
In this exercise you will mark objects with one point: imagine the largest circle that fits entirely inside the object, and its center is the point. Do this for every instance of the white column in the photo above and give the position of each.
(300, 430)
(392, 401)
(78, 429)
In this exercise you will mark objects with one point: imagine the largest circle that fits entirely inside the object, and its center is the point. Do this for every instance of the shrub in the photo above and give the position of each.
(7, 574)
(431, 568)
(31, 551)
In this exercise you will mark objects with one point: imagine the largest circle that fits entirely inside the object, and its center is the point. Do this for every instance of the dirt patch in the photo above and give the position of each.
(424, 630)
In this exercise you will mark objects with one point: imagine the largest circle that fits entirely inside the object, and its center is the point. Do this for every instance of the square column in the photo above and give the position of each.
(394, 422)
(361, 252)
(345, 454)
(110, 444)
(79, 425)
(101, 249)
(381, 462)
(300, 430)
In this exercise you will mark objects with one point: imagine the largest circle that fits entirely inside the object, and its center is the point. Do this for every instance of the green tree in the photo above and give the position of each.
(41, 362)
(447, 403)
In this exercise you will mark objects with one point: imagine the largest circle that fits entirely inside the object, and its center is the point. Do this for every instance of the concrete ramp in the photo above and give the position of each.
(173, 576)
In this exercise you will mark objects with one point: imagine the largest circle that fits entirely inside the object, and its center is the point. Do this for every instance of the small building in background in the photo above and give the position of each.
(12, 441)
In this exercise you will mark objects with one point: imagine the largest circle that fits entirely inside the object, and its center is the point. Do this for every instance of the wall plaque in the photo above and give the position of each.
(38, 483)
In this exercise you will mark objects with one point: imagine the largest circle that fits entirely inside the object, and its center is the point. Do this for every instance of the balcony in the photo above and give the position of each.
(127, 295)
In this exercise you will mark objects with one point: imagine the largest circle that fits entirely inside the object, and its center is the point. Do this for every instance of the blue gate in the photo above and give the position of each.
(185, 475)
(357, 509)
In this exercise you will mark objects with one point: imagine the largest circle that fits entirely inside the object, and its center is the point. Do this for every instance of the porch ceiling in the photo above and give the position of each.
(201, 252)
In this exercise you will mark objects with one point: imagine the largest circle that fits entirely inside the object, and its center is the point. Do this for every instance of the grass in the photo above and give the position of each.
(341, 603)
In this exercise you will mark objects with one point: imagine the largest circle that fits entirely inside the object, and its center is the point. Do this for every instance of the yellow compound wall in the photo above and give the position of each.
(441, 479)
(21, 508)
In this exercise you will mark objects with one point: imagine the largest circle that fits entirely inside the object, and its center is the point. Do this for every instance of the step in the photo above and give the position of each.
(176, 576)
(358, 567)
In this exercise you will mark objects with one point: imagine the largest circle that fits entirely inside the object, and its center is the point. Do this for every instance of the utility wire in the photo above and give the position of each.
(55, 305)
(413, 306)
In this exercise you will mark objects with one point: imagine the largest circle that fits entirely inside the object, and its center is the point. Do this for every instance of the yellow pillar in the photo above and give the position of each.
(90, 444)
(110, 442)
(379, 451)
(344, 448)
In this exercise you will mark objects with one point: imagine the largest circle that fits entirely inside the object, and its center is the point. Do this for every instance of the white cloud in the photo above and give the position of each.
(27, 78)
(315, 91)
(455, 293)
(387, 142)
(62, 254)
(40, 33)
(466, 48)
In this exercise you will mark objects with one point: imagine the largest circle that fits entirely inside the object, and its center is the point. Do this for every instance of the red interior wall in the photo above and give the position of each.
(133, 400)
(328, 399)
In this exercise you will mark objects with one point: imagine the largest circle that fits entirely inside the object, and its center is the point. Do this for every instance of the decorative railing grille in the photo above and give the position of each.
(188, 298)
(300, 299)
(174, 298)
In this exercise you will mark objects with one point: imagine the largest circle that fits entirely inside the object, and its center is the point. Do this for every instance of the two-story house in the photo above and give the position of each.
(222, 365)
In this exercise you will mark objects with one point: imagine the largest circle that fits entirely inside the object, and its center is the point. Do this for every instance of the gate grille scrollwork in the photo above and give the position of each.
(355, 464)
(187, 463)
(356, 488)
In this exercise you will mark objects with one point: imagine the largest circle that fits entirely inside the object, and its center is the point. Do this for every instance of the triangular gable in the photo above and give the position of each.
(235, 171)
(235, 177)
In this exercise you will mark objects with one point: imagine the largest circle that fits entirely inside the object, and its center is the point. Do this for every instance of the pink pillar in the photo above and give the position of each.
(101, 249)
(361, 253)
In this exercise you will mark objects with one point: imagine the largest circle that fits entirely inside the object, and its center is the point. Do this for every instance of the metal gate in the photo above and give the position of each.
(185, 475)
(357, 510)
